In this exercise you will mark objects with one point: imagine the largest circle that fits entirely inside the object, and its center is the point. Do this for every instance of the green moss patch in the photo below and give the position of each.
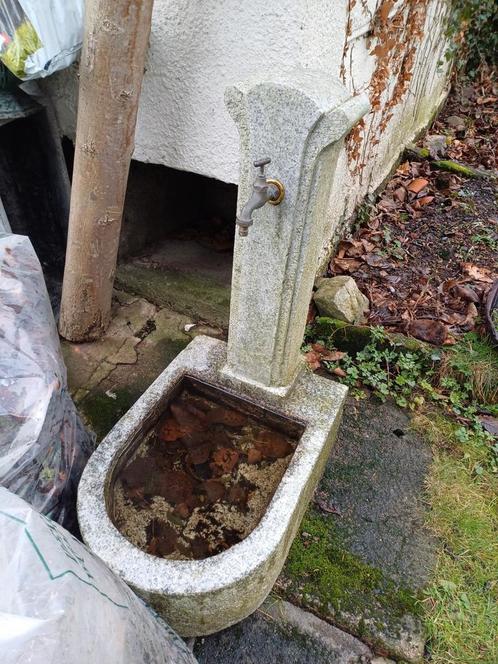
(325, 577)
(102, 411)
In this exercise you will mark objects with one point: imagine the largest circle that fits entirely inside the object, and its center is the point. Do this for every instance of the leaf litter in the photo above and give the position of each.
(426, 253)
(200, 480)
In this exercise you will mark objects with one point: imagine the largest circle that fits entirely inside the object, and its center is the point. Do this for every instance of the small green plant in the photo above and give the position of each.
(388, 369)
(463, 381)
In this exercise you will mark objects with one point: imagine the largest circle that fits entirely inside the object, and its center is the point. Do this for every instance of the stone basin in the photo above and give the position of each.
(200, 597)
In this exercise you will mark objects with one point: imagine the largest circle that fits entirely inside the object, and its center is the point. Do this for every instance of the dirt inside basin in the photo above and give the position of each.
(203, 476)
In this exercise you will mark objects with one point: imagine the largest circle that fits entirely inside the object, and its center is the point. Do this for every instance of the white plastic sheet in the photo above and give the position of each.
(61, 605)
(38, 37)
(43, 444)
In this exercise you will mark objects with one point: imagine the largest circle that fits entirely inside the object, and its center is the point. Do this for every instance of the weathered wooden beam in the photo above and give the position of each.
(111, 72)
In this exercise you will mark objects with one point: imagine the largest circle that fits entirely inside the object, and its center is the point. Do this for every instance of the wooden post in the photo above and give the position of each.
(111, 72)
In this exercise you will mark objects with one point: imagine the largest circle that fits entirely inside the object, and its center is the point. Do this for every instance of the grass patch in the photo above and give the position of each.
(473, 362)
(461, 604)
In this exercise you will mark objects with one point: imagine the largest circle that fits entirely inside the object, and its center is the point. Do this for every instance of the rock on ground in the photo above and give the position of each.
(340, 297)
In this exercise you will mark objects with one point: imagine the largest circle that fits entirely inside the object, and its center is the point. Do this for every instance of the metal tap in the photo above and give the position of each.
(264, 190)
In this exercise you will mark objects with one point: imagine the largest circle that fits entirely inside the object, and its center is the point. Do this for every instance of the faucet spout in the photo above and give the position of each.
(263, 191)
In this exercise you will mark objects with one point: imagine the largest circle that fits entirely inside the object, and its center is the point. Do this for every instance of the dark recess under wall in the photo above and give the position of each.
(32, 189)
(161, 201)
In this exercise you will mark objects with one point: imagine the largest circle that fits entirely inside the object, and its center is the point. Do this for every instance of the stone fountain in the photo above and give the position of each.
(299, 120)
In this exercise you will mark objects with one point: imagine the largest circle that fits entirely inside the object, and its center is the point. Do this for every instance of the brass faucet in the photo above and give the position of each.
(264, 190)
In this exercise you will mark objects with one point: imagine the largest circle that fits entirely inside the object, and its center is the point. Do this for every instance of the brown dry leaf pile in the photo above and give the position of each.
(427, 255)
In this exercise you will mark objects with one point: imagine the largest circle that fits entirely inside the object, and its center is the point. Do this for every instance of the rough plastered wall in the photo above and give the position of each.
(390, 48)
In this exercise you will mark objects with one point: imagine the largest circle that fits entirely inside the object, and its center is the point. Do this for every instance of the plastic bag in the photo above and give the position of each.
(60, 603)
(38, 37)
(43, 444)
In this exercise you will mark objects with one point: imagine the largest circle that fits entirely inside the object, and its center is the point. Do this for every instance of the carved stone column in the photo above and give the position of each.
(299, 120)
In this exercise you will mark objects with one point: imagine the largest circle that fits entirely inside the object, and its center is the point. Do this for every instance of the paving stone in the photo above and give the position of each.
(365, 537)
(281, 632)
(107, 376)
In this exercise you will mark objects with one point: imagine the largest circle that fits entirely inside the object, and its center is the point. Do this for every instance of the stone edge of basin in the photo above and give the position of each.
(203, 596)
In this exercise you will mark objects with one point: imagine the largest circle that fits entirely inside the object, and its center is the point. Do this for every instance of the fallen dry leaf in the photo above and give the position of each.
(312, 360)
(273, 445)
(161, 538)
(170, 430)
(466, 293)
(427, 329)
(214, 490)
(223, 461)
(489, 423)
(477, 273)
(173, 485)
(346, 264)
(416, 185)
(254, 456)
(226, 416)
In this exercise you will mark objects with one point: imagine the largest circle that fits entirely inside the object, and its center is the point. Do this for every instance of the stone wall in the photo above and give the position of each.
(389, 48)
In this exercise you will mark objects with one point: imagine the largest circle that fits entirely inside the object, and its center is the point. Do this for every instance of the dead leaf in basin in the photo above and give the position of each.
(238, 495)
(226, 416)
(173, 485)
(161, 538)
(199, 454)
(136, 473)
(214, 489)
(170, 430)
(224, 461)
(273, 445)
(254, 456)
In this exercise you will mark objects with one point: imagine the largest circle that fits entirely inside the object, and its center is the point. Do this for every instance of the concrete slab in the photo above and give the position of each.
(363, 553)
(281, 632)
(183, 276)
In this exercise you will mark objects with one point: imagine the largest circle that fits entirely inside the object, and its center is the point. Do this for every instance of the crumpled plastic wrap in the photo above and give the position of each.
(43, 443)
(60, 604)
(39, 37)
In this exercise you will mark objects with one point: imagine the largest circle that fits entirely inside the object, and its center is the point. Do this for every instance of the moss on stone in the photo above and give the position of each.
(101, 412)
(354, 338)
(324, 576)
(191, 294)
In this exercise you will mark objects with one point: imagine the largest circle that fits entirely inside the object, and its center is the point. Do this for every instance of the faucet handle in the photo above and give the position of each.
(261, 163)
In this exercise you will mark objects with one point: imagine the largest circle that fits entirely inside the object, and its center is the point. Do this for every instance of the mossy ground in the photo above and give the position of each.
(321, 567)
(101, 411)
(199, 296)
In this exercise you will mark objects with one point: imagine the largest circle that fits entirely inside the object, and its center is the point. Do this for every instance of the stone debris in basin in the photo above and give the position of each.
(339, 297)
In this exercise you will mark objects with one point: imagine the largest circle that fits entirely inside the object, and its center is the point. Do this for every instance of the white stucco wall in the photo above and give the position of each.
(199, 48)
